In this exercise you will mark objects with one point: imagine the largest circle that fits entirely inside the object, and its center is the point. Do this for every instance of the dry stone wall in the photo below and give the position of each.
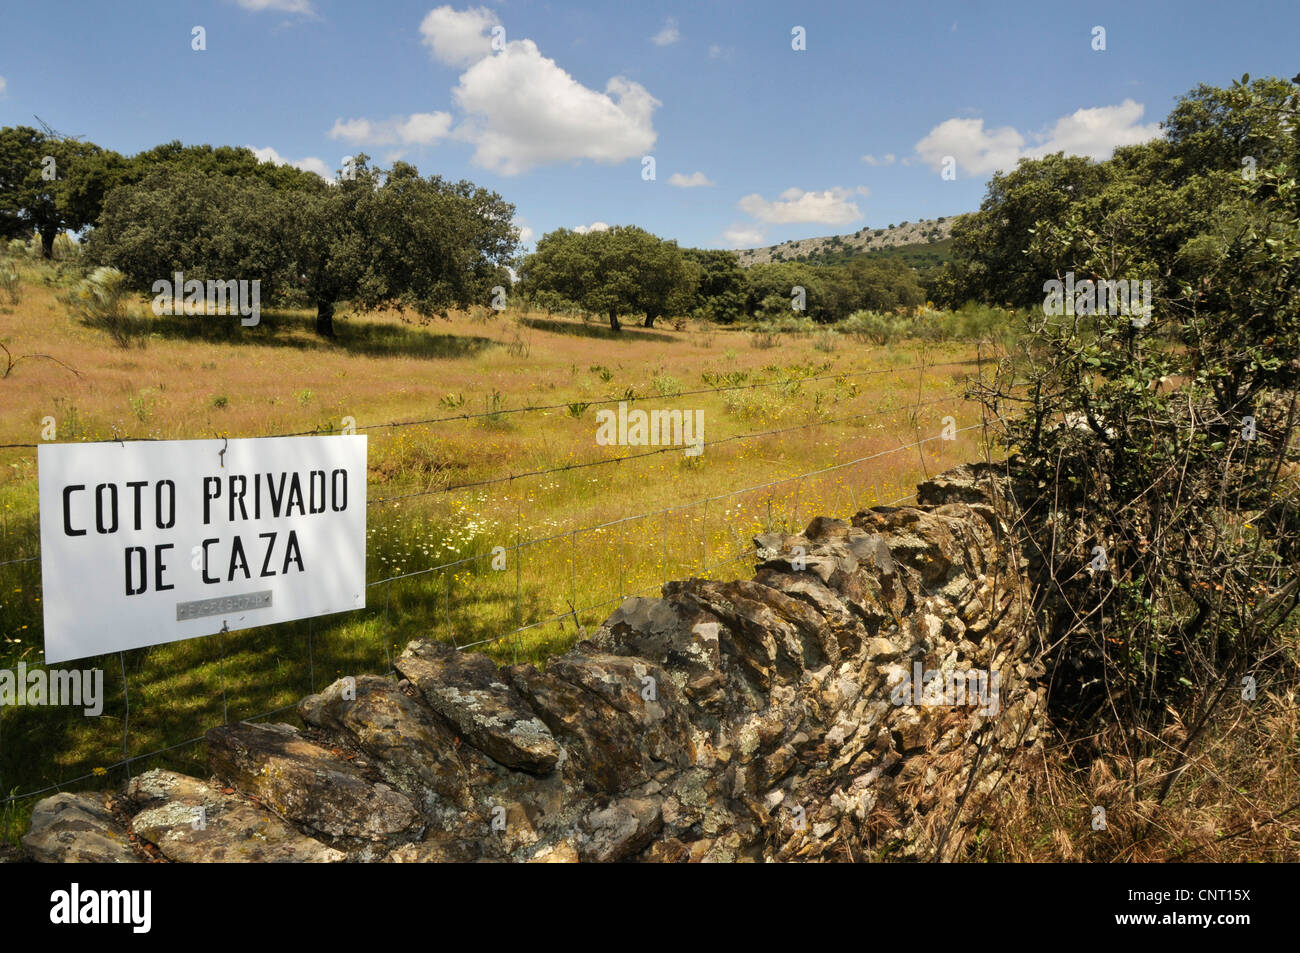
(777, 718)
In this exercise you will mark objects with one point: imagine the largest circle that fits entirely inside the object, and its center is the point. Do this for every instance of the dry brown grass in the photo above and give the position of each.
(1238, 798)
(198, 377)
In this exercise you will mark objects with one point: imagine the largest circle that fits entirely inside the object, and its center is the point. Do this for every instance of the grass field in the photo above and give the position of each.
(200, 377)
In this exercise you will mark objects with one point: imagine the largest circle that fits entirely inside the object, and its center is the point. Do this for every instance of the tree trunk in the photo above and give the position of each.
(47, 242)
(325, 318)
(649, 321)
(613, 322)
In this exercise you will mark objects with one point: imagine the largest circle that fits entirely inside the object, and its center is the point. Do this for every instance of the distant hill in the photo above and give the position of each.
(921, 244)
(923, 257)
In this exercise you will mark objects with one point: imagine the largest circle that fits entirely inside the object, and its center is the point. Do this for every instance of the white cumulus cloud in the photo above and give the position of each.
(886, 159)
(309, 164)
(1097, 132)
(458, 37)
(975, 149)
(424, 128)
(668, 35)
(519, 109)
(523, 110)
(828, 207)
(692, 181)
(593, 227)
(420, 129)
(1094, 133)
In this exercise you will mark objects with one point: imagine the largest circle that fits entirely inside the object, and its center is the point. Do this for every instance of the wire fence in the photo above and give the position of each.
(519, 602)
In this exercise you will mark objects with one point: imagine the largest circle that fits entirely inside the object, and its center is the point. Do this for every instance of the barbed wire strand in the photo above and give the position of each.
(670, 509)
(534, 408)
(126, 761)
(587, 464)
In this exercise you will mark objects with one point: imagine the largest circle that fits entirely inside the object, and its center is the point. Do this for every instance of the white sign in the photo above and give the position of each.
(145, 543)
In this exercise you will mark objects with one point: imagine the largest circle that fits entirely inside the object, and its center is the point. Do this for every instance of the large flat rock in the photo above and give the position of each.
(468, 691)
(77, 829)
(413, 749)
(308, 784)
(190, 821)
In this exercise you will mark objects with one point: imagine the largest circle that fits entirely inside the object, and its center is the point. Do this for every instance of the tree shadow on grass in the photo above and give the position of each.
(298, 330)
(601, 331)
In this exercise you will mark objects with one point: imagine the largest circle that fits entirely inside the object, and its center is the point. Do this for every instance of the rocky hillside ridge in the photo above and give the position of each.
(865, 239)
(754, 720)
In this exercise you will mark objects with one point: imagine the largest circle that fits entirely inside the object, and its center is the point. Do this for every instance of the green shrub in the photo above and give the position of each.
(875, 328)
(665, 384)
(791, 323)
(971, 322)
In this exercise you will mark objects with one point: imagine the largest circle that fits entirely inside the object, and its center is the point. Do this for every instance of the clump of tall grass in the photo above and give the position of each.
(103, 301)
(65, 249)
(518, 345)
(10, 283)
(827, 341)
(756, 405)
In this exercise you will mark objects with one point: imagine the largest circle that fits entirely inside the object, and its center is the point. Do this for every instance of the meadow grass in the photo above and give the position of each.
(205, 376)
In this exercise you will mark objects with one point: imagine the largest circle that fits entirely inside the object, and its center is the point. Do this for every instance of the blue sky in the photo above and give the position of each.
(850, 132)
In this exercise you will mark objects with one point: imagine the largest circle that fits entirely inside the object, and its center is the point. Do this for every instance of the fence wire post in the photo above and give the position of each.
(663, 554)
(519, 583)
(730, 539)
(446, 609)
(126, 718)
(8, 804)
(221, 665)
(704, 539)
(388, 630)
(519, 591)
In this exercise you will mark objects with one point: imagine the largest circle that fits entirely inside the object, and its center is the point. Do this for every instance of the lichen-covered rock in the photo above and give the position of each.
(619, 830)
(411, 747)
(192, 822)
(77, 829)
(442, 848)
(310, 785)
(617, 716)
(867, 695)
(468, 691)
